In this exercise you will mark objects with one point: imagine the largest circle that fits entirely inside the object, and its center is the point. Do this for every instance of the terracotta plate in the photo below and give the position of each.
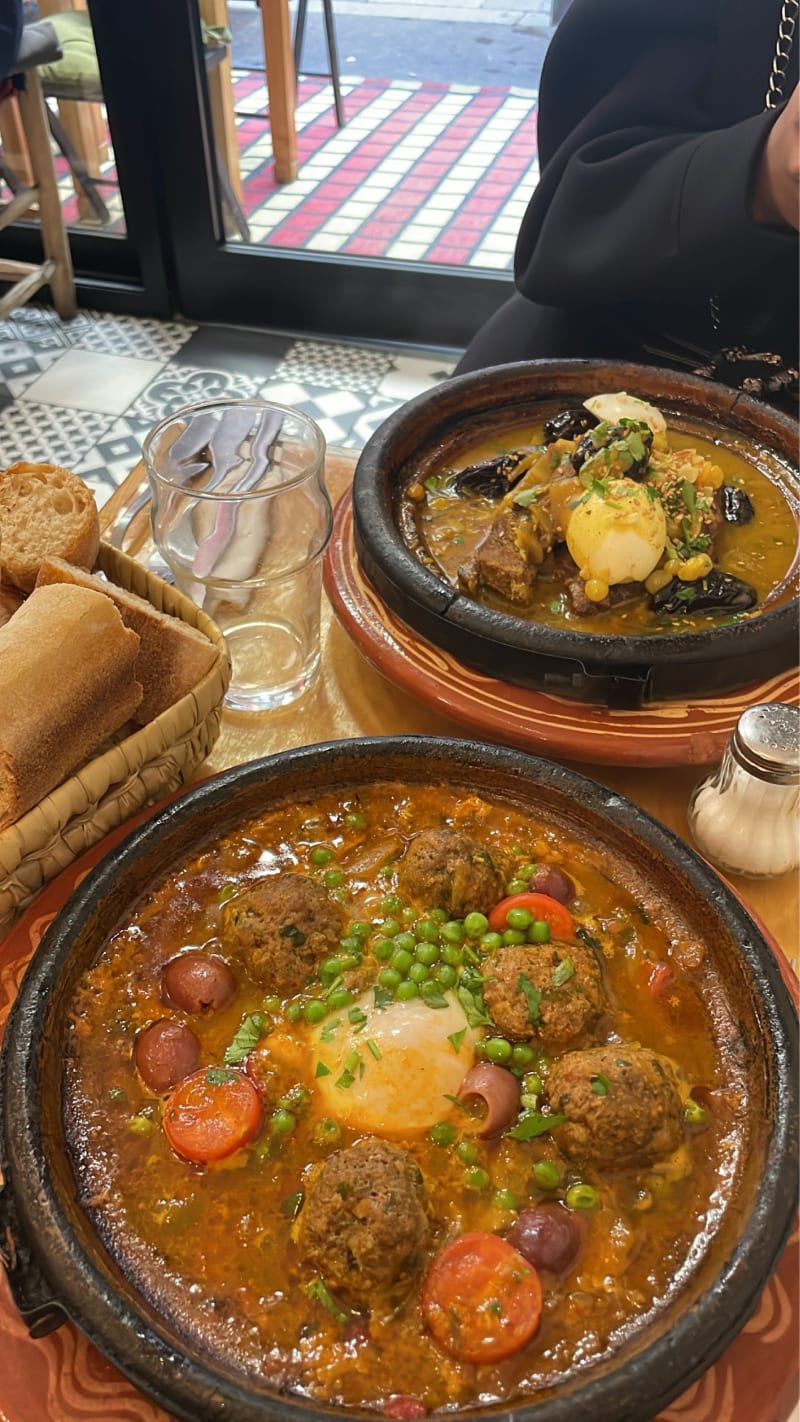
(63, 1378)
(673, 733)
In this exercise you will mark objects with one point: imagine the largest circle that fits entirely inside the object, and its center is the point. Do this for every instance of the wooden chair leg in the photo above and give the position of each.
(54, 236)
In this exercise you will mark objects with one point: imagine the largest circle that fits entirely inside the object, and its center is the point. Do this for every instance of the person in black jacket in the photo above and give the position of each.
(666, 217)
(10, 33)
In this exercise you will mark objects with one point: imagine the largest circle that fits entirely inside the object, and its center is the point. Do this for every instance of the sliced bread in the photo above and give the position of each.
(45, 512)
(173, 657)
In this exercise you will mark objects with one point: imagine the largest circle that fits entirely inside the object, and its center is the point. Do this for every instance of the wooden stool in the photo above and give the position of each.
(39, 45)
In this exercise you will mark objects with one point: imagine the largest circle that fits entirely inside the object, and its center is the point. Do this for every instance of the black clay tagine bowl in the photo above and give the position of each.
(433, 431)
(58, 1264)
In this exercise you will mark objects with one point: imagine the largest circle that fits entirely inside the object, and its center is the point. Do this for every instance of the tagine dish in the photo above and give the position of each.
(605, 519)
(402, 1098)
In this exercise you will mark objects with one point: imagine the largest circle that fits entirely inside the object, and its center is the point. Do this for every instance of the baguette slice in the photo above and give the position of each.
(67, 682)
(44, 510)
(173, 657)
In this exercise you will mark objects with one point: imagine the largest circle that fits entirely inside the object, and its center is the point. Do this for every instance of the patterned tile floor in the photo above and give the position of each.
(425, 172)
(84, 393)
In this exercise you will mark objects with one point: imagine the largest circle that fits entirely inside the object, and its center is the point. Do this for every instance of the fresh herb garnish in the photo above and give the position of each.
(322, 1070)
(375, 1049)
(291, 931)
(218, 1076)
(534, 1123)
(345, 1081)
(532, 996)
(526, 497)
(330, 1029)
(292, 1205)
(318, 1290)
(456, 1038)
(358, 1017)
(689, 496)
(247, 1036)
(383, 996)
(434, 998)
(563, 972)
(456, 1100)
(600, 1084)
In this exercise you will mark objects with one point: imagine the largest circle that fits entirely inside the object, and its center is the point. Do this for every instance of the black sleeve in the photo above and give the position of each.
(640, 200)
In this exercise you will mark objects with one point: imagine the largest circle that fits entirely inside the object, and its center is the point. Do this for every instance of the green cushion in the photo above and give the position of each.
(77, 74)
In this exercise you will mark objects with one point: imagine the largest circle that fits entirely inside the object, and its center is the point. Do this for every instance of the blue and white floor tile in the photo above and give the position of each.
(84, 393)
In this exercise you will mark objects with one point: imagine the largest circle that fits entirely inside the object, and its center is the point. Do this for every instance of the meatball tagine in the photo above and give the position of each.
(401, 1099)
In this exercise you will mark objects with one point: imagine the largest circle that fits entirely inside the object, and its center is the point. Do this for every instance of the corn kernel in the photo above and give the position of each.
(416, 493)
(673, 566)
(710, 476)
(596, 589)
(698, 567)
(657, 580)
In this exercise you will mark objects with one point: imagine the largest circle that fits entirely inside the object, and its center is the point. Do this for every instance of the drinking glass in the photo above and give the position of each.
(241, 516)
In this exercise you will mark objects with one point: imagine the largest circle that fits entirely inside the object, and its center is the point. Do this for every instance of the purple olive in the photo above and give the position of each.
(164, 1053)
(548, 1236)
(548, 879)
(197, 982)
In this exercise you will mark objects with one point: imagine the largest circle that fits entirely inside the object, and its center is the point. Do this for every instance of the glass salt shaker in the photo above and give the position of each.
(745, 817)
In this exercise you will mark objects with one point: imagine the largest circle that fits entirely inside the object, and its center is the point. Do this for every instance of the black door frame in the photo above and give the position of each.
(289, 291)
(130, 273)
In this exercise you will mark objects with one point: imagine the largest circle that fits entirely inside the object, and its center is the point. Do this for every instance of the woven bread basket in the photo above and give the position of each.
(135, 771)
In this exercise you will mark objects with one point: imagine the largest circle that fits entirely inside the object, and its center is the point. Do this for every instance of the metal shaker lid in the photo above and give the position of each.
(767, 742)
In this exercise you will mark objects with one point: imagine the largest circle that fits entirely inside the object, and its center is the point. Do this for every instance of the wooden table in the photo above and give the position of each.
(352, 699)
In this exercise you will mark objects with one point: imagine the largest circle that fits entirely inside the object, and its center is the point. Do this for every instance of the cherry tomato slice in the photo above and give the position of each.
(547, 910)
(211, 1113)
(481, 1300)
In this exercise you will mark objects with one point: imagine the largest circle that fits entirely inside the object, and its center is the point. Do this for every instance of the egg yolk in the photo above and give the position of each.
(399, 1085)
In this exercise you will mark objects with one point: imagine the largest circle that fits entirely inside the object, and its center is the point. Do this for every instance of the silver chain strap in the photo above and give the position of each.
(783, 50)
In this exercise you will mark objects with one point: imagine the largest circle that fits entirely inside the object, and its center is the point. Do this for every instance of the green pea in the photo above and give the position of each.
(294, 1011)
(452, 931)
(392, 904)
(476, 1179)
(512, 937)
(314, 1011)
(426, 930)
(539, 932)
(532, 1083)
(446, 975)
(272, 1004)
(490, 942)
(321, 856)
(390, 927)
(419, 973)
(452, 955)
(355, 820)
(506, 1200)
(439, 915)
(426, 953)
(282, 1123)
(340, 997)
(475, 925)
(582, 1197)
(519, 918)
(406, 990)
(383, 949)
(331, 968)
(467, 1152)
(405, 941)
(517, 886)
(401, 961)
(521, 1055)
(140, 1125)
(389, 978)
(443, 1134)
(526, 872)
(694, 1114)
(408, 915)
(334, 878)
(360, 930)
(327, 1131)
(546, 1175)
(498, 1050)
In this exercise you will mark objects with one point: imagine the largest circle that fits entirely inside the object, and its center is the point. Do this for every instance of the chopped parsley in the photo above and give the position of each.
(247, 1036)
(532, 996)
(470, 994)
(292, 932)
(383, 996)
(293, 1204)
(318, 1290)
(322, 1070)
(563, 972)
(600, 1084)
(218, 1076)
(534, 1123)
(456, 1038)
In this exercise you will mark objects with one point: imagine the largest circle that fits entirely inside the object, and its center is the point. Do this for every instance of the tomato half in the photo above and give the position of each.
(547, 910)
(481, 1300)
(211, 1113)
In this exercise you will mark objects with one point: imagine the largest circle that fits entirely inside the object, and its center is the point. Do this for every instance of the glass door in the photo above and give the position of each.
(97, 99)
(384, 206)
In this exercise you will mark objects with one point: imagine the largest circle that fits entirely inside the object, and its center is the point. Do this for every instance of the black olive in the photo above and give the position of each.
(569, 424)
(736, 505)
(717, 592)
(494, 478)
(623, 461)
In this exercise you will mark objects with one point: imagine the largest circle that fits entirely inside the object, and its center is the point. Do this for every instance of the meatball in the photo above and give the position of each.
(283, 928)
(623, 1106)
(364, 1225)
(564, 1003)
(449, 870)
